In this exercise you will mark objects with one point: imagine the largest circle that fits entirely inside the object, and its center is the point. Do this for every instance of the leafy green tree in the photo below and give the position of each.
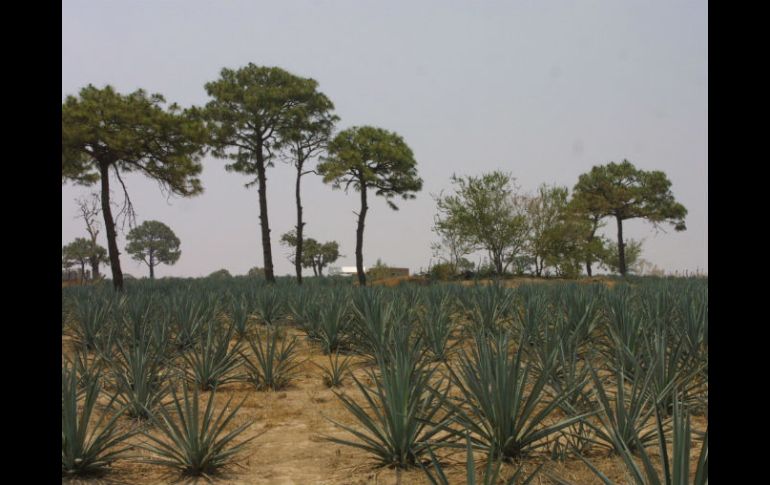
(585, 221)
(624, 192)
(153, 243)
(610, 259)
(455, 244)
(316, 255)
(370, 158)
(105, 132)
(253, 113)
(487, 213)
(256, 272)
(78, 252)
(221, 274)
(546, 219)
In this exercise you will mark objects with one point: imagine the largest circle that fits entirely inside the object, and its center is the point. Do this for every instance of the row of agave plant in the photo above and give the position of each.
(505, 372)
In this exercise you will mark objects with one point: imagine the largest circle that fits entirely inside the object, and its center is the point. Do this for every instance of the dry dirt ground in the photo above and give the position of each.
(290, 446)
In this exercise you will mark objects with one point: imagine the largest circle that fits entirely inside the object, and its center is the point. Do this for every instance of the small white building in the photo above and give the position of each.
(344, 270)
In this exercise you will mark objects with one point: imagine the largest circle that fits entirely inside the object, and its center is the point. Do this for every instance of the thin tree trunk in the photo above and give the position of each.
(94, 268)
(152, 266)
(82, 272)
(621, 247)
(300, 225)
(588, 267)
(266, 249)
(360, 237)
(109, 224)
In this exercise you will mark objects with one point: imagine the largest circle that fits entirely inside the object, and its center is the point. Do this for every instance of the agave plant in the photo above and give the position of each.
(338, 369)
(189, 318)
(436, 324)
(490, 308)
(140, 373)
(87, 447)
(670, 367)
(273, 365)
(676, 469)
(491, 473)
(625, 417)
(240, 314)
(305, 309)
(397, 428)
(195, 444)
(495, 407)
(92, 321)
(214, 361)
(269, 305)
(334, 322)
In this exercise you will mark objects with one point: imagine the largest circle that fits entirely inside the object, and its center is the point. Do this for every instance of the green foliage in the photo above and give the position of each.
(436, 324)
(214, 361)
(633, 253)
(103, 130)
(505, 418)
(485, 213)
(335, 374)
(274, 365)
(87, 447)
(314, 254)
(81, 251)
(140, 371)
(491, 472)
(198, 444)
(220, 274)
(153, 243)
(394, 424)
(624, 192)
(370, 158)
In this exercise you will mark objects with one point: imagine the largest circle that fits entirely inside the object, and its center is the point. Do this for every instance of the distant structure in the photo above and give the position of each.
(344, 271)
(393, 272)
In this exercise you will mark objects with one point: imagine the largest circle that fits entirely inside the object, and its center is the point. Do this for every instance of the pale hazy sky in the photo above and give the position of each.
(544, 90)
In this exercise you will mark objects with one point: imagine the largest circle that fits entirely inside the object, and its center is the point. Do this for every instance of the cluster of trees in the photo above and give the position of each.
(152, 243)
(551, 230)
(255, 116)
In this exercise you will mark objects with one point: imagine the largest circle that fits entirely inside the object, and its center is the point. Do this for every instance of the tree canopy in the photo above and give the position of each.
(107, 133)
(486, 213)
(153, 243)
(365, 158)
(254, 112)
(625, 192)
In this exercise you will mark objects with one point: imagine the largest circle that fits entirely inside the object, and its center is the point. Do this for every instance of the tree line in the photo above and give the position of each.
(258, 115)
(551, 230)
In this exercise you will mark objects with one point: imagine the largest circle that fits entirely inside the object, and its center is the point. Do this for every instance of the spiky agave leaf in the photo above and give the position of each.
(195, 444)
(213, 361)
(494, 405)
(338, 369)
(140, 371)
(87, 448)
(624, 417)
(398, 427)
(272, 365)
(491, 473)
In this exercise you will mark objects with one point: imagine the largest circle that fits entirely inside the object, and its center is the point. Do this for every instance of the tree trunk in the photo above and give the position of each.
(621, 247)
(266, 249)
(82, 272)
(109, 224)
(152, 266)
(360, 237)
(588, 267)
(94, 267)
(300, 225)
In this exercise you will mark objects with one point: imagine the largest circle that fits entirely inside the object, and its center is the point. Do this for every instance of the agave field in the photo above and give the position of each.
(235, 381)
